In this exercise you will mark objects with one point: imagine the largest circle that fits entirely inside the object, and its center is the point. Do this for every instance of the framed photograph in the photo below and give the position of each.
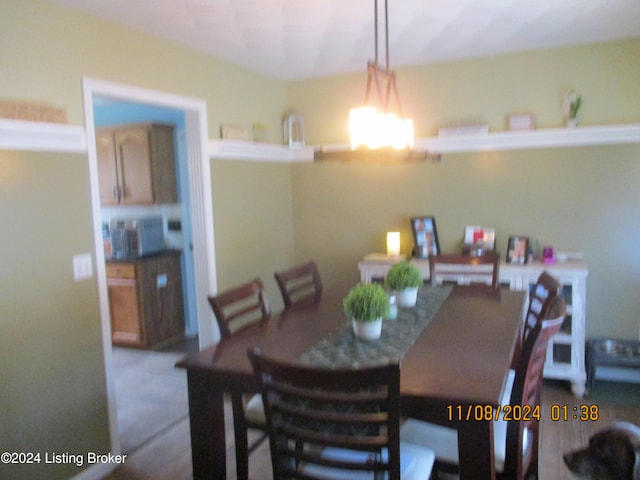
(518, 250)
(474, 234)
(521, 121)
(425, 237)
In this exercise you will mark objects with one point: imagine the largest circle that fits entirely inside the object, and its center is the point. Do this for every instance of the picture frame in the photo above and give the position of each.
(488, 236)
(521, 121)
(425, 236)
(518, 250)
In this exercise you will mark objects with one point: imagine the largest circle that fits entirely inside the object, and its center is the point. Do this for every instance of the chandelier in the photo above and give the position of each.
(374, 125)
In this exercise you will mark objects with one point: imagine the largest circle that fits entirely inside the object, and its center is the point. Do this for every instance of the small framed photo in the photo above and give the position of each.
(521, 121)
(474, 234)
(425, 237)
(518, 250)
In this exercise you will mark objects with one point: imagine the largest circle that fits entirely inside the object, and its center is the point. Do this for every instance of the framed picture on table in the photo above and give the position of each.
(518, 250)
(425, 237)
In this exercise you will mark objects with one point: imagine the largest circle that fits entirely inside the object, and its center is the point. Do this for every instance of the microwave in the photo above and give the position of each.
(136, 237)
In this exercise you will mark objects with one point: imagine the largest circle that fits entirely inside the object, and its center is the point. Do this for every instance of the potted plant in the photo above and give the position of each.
(571, 104)
(366, 304)
(405, 278)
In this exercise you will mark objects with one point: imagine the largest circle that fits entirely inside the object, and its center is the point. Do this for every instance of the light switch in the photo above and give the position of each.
(82, 267)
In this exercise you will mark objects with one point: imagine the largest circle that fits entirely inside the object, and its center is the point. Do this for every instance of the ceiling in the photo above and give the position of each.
(309, 38)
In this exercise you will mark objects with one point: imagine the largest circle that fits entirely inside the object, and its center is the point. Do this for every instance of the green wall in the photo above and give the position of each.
(489, 88)
(252, 208)
(53, 381)
(583, 199)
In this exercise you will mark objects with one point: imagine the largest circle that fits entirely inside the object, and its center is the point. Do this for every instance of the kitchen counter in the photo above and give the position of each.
(133, 258)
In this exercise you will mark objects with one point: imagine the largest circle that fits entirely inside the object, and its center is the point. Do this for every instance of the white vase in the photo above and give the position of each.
(571, 122)
(367, 330)
(408, 297)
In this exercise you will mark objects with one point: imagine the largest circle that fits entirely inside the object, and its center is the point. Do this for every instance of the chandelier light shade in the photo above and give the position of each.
(375, 125)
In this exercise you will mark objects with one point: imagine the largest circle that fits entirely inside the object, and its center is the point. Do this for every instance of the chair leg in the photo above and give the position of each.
(240, 433)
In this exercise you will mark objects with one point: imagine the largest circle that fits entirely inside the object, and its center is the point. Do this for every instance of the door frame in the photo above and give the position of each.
(196, 130)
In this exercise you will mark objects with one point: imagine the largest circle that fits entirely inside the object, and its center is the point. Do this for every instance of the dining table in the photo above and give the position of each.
(455, 349)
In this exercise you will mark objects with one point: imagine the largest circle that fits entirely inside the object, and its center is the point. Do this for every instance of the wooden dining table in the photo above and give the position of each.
(458, 364)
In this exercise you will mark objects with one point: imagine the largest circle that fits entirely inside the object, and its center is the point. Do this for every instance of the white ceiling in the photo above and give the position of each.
(309, 38)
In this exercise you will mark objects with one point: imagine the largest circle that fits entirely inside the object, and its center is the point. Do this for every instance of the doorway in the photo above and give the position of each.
(201, 246)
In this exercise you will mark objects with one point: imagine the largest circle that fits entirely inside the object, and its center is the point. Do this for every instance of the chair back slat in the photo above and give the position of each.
(240, 307)
(465, 269)
(311, 409)
(299, 283)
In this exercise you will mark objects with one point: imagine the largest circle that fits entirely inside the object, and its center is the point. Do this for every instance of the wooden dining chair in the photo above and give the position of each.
(543, 293)
(299, 283)
(515, 440)
(336, 423)
(236, 309)
(465, 269)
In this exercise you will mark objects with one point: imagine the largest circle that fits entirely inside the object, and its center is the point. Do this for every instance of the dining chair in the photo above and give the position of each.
(328, 423)
(299, 283)
(515, 440)
(546, 288)
(236, 309)
(465, 269)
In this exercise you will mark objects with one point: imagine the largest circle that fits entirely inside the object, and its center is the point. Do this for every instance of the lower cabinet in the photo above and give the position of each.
(566, 353)
(145, 300)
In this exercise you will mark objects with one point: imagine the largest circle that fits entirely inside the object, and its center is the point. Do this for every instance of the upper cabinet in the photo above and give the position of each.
(136, 164)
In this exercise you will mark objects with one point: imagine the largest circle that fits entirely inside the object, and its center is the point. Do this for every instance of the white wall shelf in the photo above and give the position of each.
(237, 150)
(37, 136)
(514, 140)
(541, 138)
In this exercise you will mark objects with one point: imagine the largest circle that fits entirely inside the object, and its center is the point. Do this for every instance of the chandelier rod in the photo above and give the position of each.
(386, 33)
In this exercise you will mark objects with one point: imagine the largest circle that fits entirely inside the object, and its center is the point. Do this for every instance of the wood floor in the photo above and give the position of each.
(168, 456)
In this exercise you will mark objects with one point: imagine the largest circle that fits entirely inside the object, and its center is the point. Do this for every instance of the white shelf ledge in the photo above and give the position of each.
(513, 140)
(542, 138)
(36, 136)
(237, 150)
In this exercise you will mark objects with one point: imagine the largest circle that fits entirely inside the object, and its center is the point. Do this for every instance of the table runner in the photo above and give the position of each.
(342, 349)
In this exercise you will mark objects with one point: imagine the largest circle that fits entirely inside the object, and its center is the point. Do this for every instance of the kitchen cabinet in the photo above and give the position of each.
(566, 353)
(145, 300)
(136, 164)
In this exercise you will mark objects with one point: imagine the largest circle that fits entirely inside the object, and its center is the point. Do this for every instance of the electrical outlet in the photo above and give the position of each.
(82, 267)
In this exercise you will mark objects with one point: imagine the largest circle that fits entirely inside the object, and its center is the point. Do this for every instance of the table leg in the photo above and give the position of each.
(206, 419)
(475, 448)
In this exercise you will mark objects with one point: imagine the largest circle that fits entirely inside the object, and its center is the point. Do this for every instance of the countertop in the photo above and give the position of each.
(134, 258)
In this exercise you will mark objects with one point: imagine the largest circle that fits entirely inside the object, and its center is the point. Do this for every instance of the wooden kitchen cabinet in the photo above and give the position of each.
(136, 164)
(145, 300)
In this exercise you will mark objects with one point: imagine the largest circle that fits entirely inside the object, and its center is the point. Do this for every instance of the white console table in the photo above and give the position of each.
(566, 353)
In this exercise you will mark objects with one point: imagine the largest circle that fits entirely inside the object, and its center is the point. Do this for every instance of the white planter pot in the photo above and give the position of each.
(571, 123)
(408, 297)
(367, 330)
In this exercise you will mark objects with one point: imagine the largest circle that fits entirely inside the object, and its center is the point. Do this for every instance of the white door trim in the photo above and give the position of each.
(201, 204)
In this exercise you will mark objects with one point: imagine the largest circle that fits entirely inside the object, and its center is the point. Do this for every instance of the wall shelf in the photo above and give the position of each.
(237, 150)
(514, 140)
(37, 136)
(541, 138)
